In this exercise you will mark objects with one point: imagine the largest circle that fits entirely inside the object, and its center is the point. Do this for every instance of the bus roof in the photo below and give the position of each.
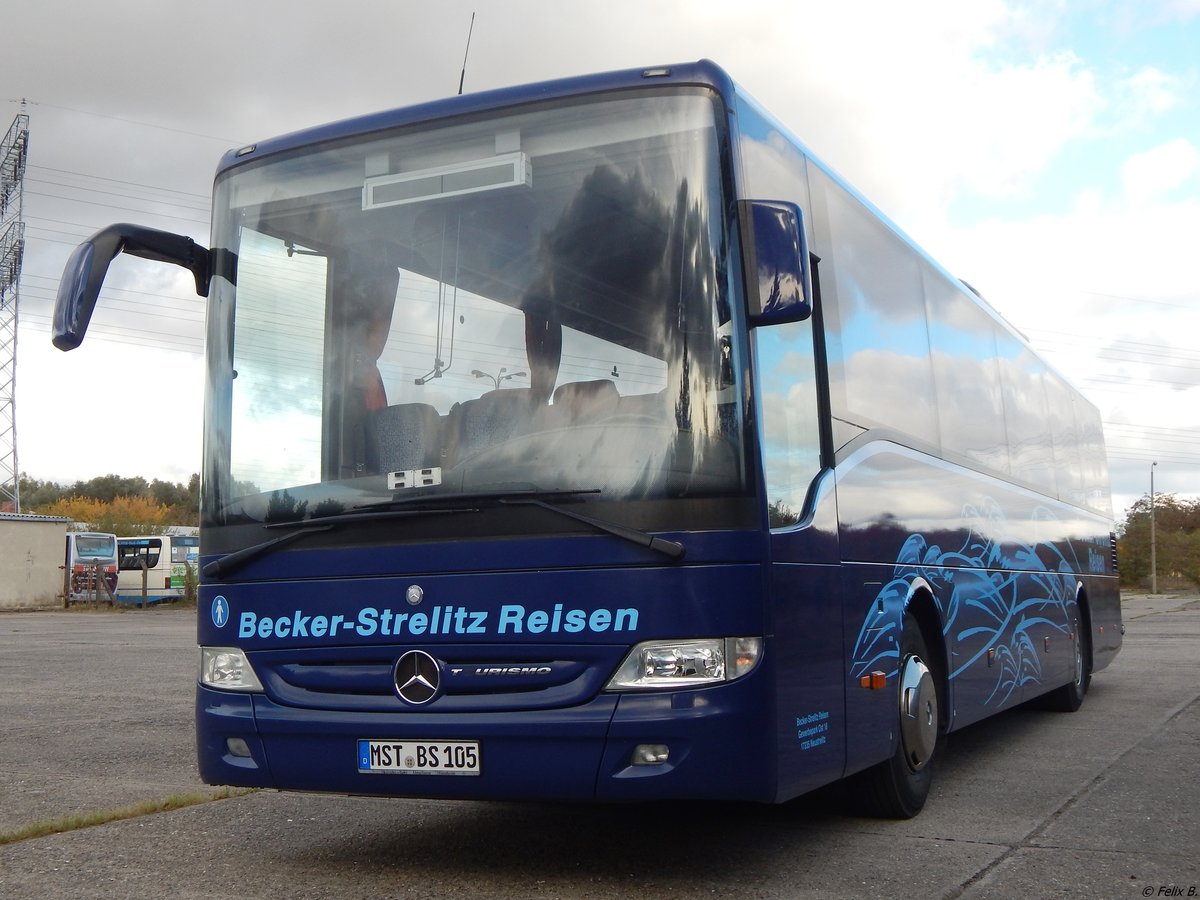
(704, 73)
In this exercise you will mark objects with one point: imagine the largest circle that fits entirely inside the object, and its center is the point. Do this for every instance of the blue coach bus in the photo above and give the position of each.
(593, 441)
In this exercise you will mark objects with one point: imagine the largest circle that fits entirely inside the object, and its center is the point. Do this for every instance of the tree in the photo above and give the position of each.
(125, 516)
(109, 487)
(1177, 539)
(167, 493)
(89, 499)
(35, 494)
(193, 493)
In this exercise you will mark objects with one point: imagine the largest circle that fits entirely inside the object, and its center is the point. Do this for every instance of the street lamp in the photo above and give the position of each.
(499, 376)
(1153, 542)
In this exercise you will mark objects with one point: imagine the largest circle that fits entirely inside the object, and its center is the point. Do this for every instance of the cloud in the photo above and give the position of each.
(1151, 175)
(1183, 9)
(924, 109)
(1024, 115)
(115, 409)
(1147, 93)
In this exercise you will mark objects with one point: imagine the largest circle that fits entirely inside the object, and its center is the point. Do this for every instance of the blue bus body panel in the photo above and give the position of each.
(1004, 567)
(303, 561)
(325, 648)
(805, 620)
(809, 707)
(612, 605)
(717, 739)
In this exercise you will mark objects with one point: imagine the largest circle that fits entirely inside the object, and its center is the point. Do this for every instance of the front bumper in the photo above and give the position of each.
(718, 738)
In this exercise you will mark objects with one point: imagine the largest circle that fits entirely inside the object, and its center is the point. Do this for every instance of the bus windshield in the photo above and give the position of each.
(100, 545)
(534, 301)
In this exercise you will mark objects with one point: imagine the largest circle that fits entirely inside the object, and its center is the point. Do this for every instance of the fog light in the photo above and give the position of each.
(237, 747)
(650, 754)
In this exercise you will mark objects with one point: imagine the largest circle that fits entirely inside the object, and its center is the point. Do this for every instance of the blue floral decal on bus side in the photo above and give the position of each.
(990, 594)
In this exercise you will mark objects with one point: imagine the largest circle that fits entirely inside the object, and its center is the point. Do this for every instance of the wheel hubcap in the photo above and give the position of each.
(918, 712)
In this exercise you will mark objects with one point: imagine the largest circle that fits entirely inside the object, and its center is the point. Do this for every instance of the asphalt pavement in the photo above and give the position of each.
(96, 713)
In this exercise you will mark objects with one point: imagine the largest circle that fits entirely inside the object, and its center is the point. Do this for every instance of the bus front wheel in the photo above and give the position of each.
(897, 788)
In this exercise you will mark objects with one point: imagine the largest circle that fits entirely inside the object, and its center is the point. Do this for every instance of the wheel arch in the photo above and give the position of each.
(1085, 623)
(923, 606)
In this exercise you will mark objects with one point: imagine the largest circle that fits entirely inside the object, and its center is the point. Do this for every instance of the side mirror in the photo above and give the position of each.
(84, 272)
(779, 281)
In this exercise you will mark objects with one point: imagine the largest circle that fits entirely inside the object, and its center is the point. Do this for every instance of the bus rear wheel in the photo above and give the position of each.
(897, 788)
(1069, 697)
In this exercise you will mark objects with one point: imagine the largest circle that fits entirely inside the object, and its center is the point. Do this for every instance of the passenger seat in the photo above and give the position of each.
(585, 401)
(495, 417)
(407, 436)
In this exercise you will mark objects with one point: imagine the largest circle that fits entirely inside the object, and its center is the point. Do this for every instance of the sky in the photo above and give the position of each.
(1046, 152)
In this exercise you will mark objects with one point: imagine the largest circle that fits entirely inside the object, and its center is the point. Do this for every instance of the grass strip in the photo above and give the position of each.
(101, 817)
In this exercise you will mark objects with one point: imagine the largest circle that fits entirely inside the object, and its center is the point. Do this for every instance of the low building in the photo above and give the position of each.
(31, 561)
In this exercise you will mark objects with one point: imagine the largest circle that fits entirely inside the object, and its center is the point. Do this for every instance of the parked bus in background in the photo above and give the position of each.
(593, 441)
(88, 553)
(165, 560)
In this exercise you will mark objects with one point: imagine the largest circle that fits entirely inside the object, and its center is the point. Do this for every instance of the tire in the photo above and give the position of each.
(898, 787)
(1069, 697)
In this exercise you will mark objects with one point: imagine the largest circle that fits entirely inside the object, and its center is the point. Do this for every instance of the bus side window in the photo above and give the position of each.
(789, 416)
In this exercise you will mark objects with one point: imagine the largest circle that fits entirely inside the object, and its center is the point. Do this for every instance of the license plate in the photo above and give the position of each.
(419, 757)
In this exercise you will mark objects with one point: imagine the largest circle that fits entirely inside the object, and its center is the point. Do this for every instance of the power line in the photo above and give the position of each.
(1127, 383)
(137, 184)
(134, 337)
(1156, 456)
(1140, 300)
(229, 142)
(113, 206)
(124, 195)
(1152, 354)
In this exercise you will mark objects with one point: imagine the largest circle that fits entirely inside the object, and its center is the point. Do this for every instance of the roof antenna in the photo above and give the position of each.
(463, 76)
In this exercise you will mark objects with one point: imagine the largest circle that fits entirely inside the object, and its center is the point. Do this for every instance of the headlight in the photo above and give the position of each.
(674, 664)
(228, 669)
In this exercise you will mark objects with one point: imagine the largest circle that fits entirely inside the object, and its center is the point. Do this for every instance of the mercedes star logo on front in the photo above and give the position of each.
(418, 677)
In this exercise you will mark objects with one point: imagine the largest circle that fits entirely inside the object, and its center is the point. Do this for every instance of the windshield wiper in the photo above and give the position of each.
(239, 558)
(672, 549)
(407, 507)
(231, 561)
(539, 498)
